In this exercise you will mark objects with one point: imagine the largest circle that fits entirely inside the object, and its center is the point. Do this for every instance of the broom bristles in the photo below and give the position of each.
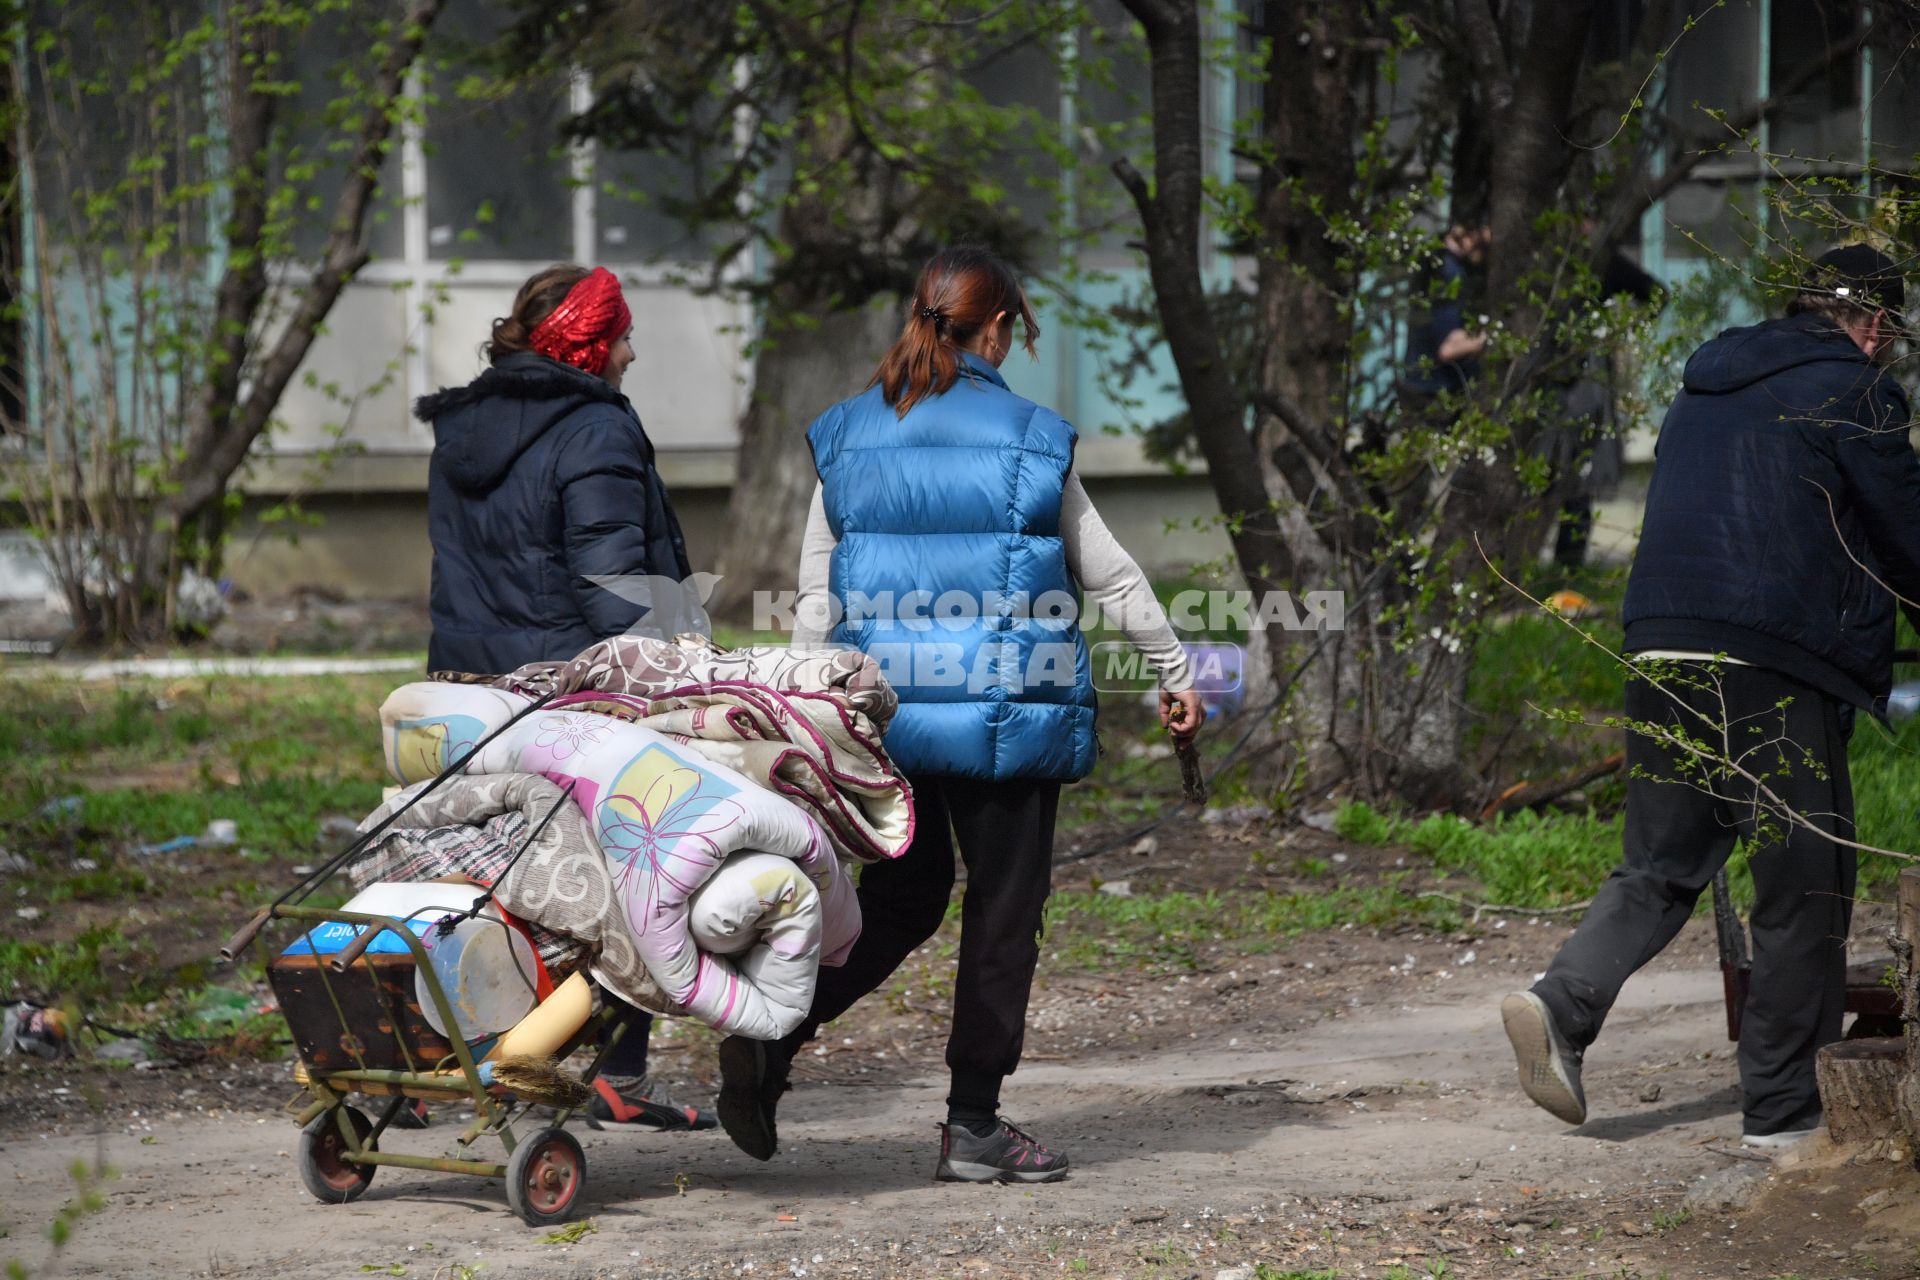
(541, 1080)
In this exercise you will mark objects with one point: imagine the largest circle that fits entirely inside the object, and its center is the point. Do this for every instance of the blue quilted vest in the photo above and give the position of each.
(950, 572)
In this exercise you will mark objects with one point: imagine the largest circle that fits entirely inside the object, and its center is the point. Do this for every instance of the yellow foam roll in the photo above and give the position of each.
(542, 1033)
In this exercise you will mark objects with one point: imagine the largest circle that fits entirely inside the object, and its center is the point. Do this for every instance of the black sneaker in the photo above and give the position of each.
(637, 1103)
(412, 1115)
(1549, 1064)
(753, 1075)
(1005, 1155)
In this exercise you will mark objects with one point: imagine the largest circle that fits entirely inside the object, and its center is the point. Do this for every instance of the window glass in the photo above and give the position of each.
(1894, 88)
(1821, 119)
(319, 125)
(1113, 112)
(1716, 65)
(1712, 218)
(1025, 75)
(642, 199)
(85, 136)
(498, 182)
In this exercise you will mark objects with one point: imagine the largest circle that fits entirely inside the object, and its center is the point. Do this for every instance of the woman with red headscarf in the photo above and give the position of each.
(551, 531)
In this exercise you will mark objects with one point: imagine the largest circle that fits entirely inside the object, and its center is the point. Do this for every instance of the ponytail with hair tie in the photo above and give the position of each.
(959, 293)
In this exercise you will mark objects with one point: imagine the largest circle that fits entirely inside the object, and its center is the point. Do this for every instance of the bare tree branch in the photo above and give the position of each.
(220, 442)
(1312, 439)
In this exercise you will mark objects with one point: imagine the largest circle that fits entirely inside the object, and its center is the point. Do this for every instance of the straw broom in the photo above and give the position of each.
(537, 1079)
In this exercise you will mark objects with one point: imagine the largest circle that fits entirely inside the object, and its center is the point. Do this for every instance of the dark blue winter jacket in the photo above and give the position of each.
(1784, 486)
(541, 481)
(1439, 309)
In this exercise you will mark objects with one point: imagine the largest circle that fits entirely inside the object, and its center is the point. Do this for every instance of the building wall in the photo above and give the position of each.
(373, 543)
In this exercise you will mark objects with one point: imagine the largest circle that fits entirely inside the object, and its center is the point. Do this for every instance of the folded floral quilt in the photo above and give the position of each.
(806, 724)
(733, 896)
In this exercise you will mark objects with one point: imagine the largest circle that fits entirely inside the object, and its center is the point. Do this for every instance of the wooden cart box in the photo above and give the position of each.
(378, 1021)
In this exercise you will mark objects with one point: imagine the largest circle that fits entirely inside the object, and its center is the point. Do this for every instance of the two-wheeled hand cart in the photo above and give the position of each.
(372, 1017)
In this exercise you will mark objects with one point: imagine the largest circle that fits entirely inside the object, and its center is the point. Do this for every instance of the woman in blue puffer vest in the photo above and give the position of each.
(950, 539)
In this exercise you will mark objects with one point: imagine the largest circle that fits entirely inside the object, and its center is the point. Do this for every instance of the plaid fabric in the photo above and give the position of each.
(562, 884)
(479, 853)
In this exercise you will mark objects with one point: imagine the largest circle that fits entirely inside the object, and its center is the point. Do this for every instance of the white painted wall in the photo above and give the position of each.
(688, 380)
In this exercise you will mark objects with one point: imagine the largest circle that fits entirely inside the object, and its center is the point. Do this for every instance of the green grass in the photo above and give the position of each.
(1886, 797)
(276, 814)
(1525, 859)
(92, 767)
(1173, 932)
(101, 962)
(1532, 660)
(90, 774)
(1522, 860)
(1664, 1221)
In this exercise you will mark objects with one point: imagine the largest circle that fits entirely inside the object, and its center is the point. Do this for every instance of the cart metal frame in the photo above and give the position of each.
(339, 1148)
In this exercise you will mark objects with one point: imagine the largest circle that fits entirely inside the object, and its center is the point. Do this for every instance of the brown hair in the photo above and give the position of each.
(543, 291)
(1837, 311)
(960, 291)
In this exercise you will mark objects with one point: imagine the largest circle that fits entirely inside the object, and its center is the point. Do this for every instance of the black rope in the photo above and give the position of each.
(445, 925)
(448, 923)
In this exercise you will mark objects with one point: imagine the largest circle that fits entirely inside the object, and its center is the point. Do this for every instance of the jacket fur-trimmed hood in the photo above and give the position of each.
(521, 376)
(481, 428)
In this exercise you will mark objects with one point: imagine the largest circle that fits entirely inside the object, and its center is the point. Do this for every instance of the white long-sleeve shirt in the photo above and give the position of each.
(1108, 576)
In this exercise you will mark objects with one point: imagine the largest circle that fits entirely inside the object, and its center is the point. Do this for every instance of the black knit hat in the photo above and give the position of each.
(1860, 274)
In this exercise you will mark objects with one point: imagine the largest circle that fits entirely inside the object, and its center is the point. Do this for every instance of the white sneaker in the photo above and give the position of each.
(1778, 1141)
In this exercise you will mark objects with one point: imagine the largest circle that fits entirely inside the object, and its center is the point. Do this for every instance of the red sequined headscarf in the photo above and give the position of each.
(583, 328)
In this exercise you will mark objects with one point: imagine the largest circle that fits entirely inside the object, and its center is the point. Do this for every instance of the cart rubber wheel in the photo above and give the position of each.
(544, 1177)
(324, 1167)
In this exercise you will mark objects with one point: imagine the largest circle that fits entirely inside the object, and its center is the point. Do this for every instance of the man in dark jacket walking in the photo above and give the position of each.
(551, 531)
(1784, 513)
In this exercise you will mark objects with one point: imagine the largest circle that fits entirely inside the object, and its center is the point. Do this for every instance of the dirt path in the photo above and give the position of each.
(1387, 1134)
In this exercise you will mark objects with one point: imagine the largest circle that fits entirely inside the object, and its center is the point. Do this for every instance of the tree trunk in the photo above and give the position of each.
(13, 405)
(1860, 1087)
(1310, 116)
(1171, 214)
(796, 374)
(1310, 120)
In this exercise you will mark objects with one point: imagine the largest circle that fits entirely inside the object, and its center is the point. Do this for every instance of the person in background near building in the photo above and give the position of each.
(938, 482)
(548, 522)
(1782, 522)
(1443, 354)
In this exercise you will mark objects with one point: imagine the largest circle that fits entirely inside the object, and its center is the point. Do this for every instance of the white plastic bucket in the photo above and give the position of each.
(487, 971)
